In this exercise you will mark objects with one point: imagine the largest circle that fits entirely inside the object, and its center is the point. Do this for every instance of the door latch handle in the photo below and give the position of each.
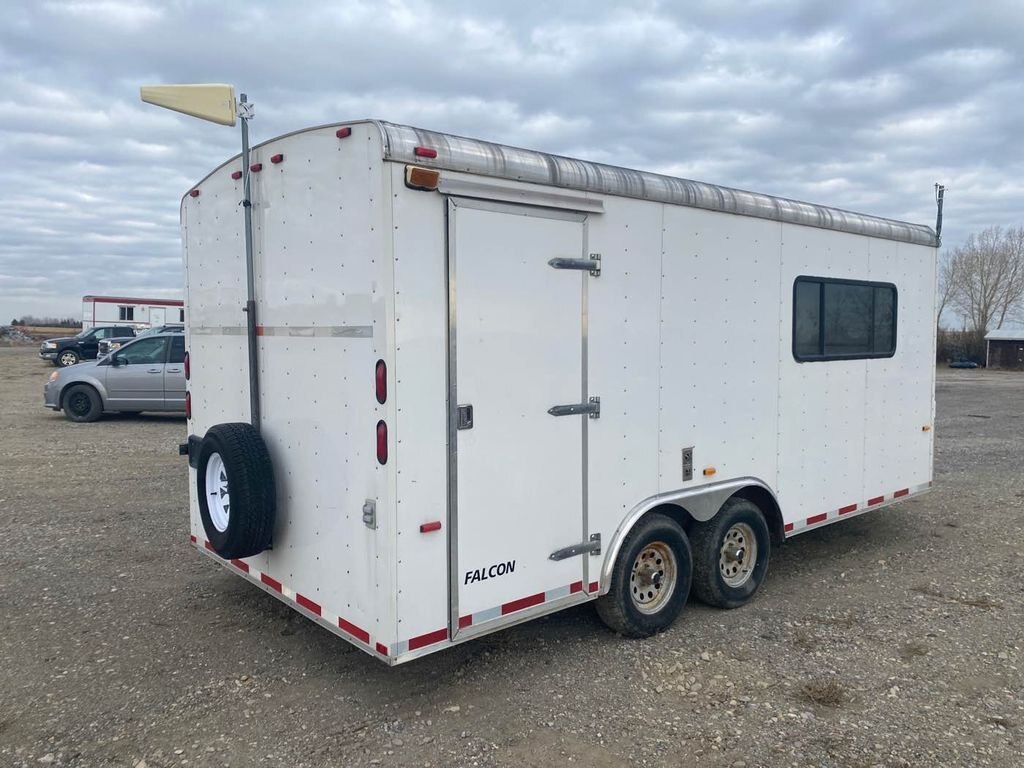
(592, 409)
(464, 417)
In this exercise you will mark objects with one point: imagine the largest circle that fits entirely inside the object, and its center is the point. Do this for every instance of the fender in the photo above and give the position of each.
(92, 381)
(702, 502)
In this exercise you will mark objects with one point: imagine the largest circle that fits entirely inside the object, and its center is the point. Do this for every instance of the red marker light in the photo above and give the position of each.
(276, 159)
(188, 367)
(382, 442)
(382, 381)
(188, 405)
(256, 167)
(429, 527)
(343, 133)
(194, 193)
(236, 175)
(425, 152)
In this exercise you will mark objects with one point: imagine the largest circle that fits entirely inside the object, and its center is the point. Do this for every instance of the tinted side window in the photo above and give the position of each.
(843, 319)
(885, 321)
(849, 319)
(807, 319)
(177, 350)
(144, 351)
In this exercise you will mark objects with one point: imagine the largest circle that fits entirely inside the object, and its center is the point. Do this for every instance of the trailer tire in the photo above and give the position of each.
(237, 494)
(82, 403)
(655, 556)
(731, 553)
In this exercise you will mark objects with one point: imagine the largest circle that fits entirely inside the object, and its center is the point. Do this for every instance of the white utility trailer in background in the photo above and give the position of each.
(129, 310)
(495, 383)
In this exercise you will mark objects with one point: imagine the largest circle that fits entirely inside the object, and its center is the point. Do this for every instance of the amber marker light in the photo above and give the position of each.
(421, 178)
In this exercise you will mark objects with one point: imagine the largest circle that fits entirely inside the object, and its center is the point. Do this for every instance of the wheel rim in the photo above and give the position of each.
(67, 359)
(653, 577)
(79, 403)
(738, 555)
(218, 492)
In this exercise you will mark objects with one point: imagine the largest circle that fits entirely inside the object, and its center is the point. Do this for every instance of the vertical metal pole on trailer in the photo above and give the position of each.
(245, 112)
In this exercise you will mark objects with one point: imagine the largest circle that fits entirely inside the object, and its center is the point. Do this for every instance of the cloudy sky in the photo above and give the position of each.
(861, 106)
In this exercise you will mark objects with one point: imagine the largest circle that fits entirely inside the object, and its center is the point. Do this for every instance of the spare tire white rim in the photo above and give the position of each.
(218, 495)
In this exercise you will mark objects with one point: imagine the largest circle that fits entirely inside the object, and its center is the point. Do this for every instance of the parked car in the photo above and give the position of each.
(963, 364)
(68, 350)
(146, 374)
(108, 345)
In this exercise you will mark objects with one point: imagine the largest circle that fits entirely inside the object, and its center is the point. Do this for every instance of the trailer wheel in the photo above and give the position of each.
(651, 579)
(237, 495)
(82, 403)
(731, 552)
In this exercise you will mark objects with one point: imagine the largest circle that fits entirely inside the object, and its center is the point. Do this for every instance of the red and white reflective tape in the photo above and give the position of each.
(489, 614)
(307, 605)
(852, 510)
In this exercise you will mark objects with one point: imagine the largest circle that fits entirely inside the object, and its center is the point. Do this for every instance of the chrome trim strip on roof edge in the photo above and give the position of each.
(458, 153)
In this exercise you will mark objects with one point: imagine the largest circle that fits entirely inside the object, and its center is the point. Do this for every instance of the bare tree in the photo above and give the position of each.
(984, 277)
(948, 283)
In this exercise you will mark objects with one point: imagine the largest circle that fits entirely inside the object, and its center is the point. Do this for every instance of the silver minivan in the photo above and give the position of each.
(147, 374)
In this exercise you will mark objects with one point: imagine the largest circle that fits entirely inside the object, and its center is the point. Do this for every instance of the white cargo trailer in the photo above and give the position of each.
(130, 310)
(494, 383)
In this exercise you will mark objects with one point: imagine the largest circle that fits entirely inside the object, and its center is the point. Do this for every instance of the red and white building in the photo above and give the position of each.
(126, 310)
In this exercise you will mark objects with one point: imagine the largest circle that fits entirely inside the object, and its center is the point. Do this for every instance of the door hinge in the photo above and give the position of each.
(592, 547)
(591, 265)
(592, 409)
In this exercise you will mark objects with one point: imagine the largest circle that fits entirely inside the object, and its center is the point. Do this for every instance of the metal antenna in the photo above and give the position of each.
(939, 192)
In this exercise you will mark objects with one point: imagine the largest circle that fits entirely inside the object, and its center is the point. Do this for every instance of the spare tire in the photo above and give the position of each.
(237, 495)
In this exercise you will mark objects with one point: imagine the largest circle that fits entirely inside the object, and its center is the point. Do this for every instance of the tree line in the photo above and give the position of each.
(47, 322)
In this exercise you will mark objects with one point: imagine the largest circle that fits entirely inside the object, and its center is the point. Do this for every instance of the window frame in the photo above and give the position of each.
(822, 282)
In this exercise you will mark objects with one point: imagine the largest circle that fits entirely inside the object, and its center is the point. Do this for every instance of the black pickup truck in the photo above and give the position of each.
(69, 350)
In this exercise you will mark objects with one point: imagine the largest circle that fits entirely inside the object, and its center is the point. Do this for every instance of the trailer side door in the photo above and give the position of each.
(517, 348)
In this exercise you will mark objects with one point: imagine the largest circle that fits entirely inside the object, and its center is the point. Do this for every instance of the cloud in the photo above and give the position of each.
(861, 106)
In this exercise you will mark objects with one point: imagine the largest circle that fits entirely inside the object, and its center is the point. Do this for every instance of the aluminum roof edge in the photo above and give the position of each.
(458, 153)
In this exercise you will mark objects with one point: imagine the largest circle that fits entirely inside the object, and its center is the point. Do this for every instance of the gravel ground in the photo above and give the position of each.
(892, 639)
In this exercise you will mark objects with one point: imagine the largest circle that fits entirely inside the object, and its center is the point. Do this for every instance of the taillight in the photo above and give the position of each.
(382, 442)
(382, 381)
(188, 367)
(188, 405)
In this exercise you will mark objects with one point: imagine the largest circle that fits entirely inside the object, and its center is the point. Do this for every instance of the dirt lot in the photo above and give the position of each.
(893, 639)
